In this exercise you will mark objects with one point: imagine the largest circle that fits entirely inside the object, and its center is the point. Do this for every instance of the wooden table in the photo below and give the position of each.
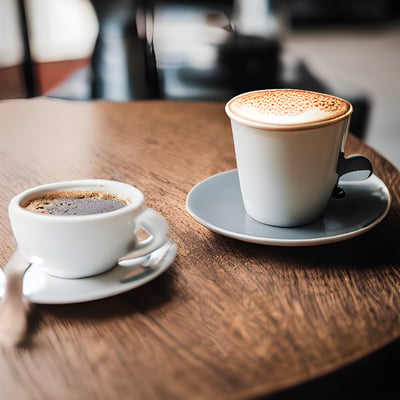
(228, 319)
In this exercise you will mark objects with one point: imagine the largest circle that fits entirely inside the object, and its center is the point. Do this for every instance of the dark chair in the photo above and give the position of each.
(191, 50)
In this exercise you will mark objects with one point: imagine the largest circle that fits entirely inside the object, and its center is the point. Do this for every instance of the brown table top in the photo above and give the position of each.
(228, 319)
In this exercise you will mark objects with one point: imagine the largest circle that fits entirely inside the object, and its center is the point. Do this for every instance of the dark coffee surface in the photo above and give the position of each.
(75, 203)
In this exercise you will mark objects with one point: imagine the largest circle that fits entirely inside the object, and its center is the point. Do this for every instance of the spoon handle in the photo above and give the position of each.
(13, 306)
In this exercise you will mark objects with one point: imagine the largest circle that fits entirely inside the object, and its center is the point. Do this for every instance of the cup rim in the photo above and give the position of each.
(136, 198)
(285, 127)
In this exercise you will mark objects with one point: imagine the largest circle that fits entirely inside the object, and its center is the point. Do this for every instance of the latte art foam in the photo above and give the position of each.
(287, 107)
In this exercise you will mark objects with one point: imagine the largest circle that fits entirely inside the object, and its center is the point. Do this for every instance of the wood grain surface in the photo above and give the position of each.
(229, 319)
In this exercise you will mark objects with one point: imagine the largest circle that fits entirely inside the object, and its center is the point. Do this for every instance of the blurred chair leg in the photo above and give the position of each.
(28, 66)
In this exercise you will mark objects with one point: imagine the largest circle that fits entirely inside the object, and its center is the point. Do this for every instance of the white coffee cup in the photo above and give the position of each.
(76, 246)
(289, 152)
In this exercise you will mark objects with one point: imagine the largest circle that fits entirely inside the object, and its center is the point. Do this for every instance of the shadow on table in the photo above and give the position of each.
(373, 377)
(156, 293)
(376, 375)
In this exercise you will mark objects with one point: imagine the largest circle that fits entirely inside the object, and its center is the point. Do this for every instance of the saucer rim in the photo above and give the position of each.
(286, 242)
(116, 288)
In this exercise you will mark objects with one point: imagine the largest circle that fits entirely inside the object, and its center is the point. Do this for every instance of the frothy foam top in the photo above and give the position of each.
(287, 107)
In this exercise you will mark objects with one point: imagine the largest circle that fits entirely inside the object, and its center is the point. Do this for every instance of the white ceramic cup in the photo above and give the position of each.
(289, 152)
(76, 246)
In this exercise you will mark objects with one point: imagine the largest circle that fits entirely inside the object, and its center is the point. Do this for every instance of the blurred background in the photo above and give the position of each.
(203, 50)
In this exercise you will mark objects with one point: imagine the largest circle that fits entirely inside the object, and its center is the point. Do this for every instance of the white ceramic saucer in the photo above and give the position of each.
(45, 289)
(217, 204)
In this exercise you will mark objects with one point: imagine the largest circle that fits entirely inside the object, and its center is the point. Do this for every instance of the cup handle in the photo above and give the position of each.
(351, 164)
(156, 226)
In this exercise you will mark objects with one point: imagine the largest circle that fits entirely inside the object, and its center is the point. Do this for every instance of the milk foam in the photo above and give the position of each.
(287, 107)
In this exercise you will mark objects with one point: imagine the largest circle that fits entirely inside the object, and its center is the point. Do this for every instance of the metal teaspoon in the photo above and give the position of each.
(13, 305)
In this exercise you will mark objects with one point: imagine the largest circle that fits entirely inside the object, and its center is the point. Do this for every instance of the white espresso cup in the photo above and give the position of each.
(289, 152)
(79, 238)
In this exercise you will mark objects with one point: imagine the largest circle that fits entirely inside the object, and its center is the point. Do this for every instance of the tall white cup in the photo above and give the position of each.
(289, 152)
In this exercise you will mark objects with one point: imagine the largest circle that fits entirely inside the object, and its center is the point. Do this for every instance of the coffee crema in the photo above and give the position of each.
(287, 107)
(75, 203)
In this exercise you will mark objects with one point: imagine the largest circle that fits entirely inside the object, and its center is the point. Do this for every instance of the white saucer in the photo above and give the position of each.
(45, 289)
(217, 204)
